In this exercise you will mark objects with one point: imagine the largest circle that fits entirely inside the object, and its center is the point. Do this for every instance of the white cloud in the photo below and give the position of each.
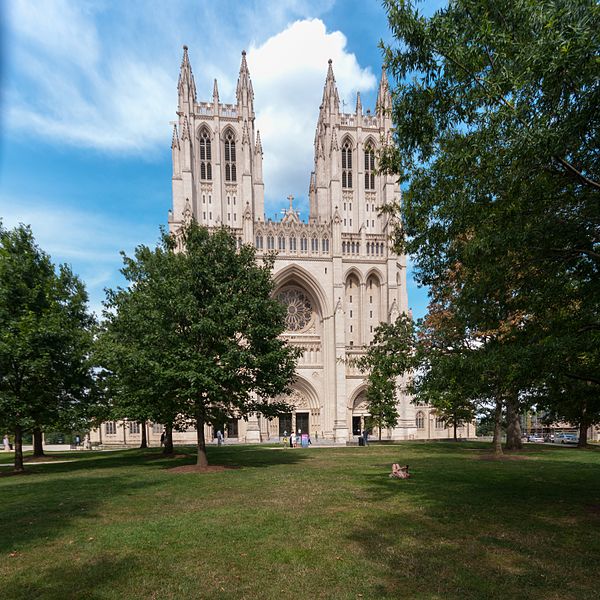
(288, 74)
(97, 75)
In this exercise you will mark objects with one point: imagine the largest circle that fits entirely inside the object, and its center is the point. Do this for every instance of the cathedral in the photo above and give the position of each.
(336, 272)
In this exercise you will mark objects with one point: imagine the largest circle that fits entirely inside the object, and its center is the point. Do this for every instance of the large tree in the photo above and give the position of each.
(496, 116)
(45, 341)
(389, 362)
(197, 332)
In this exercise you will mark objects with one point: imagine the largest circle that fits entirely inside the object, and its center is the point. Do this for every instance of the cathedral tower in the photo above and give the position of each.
(217, 156)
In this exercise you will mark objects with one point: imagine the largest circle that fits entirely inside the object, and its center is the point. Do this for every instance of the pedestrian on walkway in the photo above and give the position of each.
(6, 443)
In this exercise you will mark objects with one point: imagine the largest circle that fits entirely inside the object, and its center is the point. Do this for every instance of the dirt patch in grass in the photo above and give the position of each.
(197, 469)
(11, 473)
(161, 456)
(502, 457)
(594, 509)
(43, 459)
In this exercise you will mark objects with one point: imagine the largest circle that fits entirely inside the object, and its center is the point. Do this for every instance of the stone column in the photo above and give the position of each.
(341, 417)
(253, 430)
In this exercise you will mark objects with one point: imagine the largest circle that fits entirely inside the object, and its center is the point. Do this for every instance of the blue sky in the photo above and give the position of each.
(89, 87)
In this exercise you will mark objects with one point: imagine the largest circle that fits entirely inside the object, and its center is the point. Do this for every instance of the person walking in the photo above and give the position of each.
(6, 443)
(163, 436)
(220, 437)
(366, 437)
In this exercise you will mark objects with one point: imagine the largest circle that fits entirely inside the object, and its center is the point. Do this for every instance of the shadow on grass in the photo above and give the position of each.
(234, 455)
(43, 504)
(485, 529)
(91, 579)
(39, 509)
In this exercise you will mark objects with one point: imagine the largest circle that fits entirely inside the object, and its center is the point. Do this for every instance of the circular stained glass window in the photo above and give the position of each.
(299, 309)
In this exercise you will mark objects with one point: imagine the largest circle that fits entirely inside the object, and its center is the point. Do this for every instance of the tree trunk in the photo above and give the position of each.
(583, 434)
(144, 443)
(497, 441)
(455, 427)
(168, 444)
(202, 458)
(19, 468)
(379, 431)
(38, 447)
(513, 425)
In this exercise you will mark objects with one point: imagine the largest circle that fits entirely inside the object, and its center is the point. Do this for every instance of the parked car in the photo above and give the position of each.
(565, 438)
(537, 439)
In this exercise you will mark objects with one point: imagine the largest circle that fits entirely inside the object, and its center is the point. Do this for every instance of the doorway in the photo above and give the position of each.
(285, 424)
(302, 422)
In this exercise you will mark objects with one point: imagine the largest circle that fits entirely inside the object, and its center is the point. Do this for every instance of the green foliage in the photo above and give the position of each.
(195, 337)
(390, 357)
(45, 339)
(497, 136)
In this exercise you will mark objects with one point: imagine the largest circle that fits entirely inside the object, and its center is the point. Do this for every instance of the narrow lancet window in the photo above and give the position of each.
(205, 156)
(230, 170)
(369, 167)
(347, 165)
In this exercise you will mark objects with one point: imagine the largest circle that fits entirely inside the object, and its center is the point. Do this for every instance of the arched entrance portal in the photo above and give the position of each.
(305, 415)
(360, 413)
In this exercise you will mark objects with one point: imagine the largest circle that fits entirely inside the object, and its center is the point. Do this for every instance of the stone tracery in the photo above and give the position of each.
(299, 309)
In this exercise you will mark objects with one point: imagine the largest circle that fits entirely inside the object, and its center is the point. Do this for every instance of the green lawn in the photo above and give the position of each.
(296, 524)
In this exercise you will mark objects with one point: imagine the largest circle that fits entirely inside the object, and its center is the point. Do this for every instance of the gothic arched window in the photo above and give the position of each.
(325, 244)
(439, 423)
(259, 242)
(270, 242)
(230, 171)
(303, 244)
(420, 420)
(293, 244)
(347, 164)
(369, 167)
(205, 156)
(281, 243)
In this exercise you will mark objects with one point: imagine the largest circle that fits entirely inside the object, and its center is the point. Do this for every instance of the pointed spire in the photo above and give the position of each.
(215, 92)
(244, 83)
(358, 104)
(334, 142)
(258, 146)
(312, 186)
(330, 74)
(185, 61)
(337, 218)
(186, 84)
(384, 98)
(175, 138)
(185, 130)
(320, 150)
(331, 98)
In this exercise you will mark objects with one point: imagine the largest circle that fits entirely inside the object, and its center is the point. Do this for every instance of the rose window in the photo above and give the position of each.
(299, 309)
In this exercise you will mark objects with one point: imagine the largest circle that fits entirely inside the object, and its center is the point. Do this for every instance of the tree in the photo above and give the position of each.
(496, 136)
(389, 358)
(45, 340)
(578, 404)
(196, 335)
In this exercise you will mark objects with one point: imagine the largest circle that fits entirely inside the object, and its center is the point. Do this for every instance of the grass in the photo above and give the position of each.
(316, 523)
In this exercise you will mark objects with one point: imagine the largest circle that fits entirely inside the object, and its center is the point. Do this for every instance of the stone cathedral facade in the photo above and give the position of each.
(336, 272)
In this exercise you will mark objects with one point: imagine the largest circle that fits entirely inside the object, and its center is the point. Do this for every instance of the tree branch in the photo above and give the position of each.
(588, 379)
(481, 82)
